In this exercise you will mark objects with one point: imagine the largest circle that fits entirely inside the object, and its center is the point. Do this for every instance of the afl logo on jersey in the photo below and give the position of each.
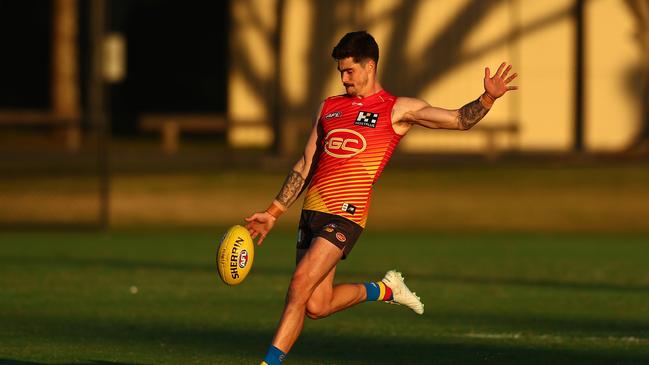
(344, 143)
(333, 115)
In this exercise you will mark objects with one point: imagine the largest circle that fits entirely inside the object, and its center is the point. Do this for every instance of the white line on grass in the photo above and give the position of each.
(527, 336)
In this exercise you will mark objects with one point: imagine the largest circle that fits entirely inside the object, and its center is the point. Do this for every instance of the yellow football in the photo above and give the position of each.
(235, 255)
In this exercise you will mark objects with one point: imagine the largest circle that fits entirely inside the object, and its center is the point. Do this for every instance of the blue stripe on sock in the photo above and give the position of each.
(373, 291)
(274, 356)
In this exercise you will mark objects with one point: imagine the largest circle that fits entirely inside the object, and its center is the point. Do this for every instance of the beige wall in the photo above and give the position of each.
(463, 82)
(437, 50)
(547, 75)
(613, 116)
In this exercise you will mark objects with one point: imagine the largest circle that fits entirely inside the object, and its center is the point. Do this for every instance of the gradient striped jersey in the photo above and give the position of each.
(358, 142)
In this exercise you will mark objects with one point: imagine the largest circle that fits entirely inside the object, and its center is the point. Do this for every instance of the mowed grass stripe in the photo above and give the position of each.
(505, 298)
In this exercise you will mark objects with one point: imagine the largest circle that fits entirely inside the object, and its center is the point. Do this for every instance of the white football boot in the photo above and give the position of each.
(400, 292)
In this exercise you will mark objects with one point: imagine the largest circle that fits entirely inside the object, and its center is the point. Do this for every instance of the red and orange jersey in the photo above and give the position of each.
(358, 142)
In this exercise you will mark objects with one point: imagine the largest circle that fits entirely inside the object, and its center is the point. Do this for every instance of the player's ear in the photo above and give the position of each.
(370, 65)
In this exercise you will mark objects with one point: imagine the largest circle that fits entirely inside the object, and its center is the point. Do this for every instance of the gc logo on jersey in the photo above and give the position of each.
(367, 119)
(344, 143)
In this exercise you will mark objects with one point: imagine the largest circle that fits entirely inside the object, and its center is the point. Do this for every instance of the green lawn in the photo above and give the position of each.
(496, 298)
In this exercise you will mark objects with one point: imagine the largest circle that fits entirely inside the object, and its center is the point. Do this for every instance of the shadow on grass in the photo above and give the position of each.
(459, 351)
(248, 344)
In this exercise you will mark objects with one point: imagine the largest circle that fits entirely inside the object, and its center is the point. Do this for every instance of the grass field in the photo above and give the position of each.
(496, 298)
(608, 198)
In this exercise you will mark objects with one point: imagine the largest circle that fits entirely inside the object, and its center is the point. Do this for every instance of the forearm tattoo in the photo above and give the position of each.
(471, 113)
(291, 189)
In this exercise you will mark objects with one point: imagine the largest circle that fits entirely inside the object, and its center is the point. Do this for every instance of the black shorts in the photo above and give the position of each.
(338, 230)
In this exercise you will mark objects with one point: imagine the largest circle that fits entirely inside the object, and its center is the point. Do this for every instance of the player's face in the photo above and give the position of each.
(354, 76)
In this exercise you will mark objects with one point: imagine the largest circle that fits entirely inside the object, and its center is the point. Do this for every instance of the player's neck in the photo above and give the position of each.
(371, 89)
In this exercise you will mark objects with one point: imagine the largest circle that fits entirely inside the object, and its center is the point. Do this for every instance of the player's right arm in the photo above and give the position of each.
(412, 111)
(260, 223)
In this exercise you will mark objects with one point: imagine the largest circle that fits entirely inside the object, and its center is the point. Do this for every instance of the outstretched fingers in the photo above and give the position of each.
(506, 72)
(500, 70)
(510, 78)
(497, 85)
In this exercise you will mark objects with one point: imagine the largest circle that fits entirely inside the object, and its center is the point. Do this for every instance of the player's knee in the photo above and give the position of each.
(317, 311)
(316, 315)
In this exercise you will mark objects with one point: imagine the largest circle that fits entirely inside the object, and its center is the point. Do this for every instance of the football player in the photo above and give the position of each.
(352, 140)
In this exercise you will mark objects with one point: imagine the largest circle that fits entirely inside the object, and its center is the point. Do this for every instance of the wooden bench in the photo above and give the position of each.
(35, 118)
(170, 126)
(491, 131)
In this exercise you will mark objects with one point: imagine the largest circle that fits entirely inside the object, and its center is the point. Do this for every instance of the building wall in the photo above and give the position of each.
(437, 50)
(613, 56)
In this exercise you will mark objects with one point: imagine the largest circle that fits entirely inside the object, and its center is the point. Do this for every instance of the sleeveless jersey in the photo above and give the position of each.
(358, 142)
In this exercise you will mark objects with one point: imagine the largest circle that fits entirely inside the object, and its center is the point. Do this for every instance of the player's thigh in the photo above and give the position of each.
(316, 265)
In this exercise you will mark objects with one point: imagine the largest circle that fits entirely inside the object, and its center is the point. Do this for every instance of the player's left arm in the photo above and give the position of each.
(260, 223)
(411, 111)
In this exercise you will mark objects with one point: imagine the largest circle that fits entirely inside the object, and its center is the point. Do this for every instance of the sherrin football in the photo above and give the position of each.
(235, 255)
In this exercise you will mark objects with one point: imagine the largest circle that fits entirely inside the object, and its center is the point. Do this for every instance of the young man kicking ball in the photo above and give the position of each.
(353, 138)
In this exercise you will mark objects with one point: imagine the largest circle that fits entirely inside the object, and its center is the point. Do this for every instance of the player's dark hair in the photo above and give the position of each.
(360, 45)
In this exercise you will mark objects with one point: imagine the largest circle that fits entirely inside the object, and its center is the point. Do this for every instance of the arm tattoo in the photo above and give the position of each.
(291, 189)
(471, 113)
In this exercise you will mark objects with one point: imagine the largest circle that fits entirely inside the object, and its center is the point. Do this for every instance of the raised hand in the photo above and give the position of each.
(497, 85)
(259, 224)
